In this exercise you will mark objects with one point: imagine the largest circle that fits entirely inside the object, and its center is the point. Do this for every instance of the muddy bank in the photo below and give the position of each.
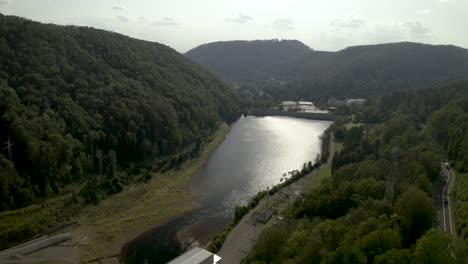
(166, 241)
(255, 155)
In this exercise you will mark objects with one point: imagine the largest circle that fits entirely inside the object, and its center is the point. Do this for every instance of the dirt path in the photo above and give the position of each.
(243, 236)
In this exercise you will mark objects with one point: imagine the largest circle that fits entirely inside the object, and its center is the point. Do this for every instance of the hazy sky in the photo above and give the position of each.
(323, 25)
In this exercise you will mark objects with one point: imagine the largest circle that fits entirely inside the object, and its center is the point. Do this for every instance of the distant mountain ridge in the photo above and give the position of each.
(233, 59)
(354, 71)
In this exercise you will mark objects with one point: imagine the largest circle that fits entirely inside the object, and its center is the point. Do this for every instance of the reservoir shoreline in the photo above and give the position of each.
(252, 157)
(304, 115)
(109, 226)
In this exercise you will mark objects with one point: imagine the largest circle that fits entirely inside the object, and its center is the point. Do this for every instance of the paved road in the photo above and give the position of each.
(442, 201)
(57, 249)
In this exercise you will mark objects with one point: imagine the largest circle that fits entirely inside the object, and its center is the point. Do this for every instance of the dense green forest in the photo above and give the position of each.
(77, 103)
(235, 60)
(358, 215)
(359, 71)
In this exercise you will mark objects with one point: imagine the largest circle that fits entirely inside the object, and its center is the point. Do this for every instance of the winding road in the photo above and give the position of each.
(442, 200)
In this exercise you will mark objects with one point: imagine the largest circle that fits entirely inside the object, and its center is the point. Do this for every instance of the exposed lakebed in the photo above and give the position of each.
(254, 156)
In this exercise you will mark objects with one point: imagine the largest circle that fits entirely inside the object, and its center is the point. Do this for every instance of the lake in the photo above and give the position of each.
(254, 156)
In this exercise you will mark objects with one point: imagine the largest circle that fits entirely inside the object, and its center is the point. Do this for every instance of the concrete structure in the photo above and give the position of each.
(355, 101)
(37, 244)
(301, 107)
(197, 256)
(289, 105)
(305, 103)
(56, 249)
(306, 115)
(263, 217)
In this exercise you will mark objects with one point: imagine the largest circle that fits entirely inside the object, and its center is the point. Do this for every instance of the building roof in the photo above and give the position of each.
(305, 103)
(355, 100)
(287, 103)
(195, 256)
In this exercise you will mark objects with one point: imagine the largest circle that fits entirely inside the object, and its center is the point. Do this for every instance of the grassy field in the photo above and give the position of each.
(318, 176)
(350, 125)
(104, 228)
(120, 218)
(36, 219)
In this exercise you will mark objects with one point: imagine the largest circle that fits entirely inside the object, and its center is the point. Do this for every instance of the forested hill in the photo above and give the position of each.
(234, 60)
(372, 70)
(377, 204)
(78, 101)
(359, 71)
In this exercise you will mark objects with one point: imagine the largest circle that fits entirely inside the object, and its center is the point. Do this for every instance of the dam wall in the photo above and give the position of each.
(313, 116)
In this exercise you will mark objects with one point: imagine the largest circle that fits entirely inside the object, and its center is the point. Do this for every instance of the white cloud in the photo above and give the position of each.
(143, 20)
(406, 31)
(119, 8)
(386, 33)
(437, 21)
(123, 19)
(283, 24)
(423, 12)
(417, 30)
(165, 21)
(241, 19)
(350, 23)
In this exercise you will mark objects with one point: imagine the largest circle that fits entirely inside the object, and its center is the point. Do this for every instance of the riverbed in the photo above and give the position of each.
(254, 156)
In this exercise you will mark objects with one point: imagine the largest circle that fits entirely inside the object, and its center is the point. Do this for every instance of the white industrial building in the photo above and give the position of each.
(301, 106)
(197, 256)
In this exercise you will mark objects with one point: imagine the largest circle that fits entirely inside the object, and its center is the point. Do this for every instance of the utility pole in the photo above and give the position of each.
(268, 194)
(8, 147)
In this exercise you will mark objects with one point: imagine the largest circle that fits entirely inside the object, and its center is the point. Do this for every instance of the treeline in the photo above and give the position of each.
(371, 70)
(79, 102)
(237, 60)
(361, 71)
(359, 215)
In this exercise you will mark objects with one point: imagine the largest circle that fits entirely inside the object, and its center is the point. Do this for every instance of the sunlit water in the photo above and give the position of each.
(254, 156)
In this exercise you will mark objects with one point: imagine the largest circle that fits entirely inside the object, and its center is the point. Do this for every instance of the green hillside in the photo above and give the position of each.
(234, 60)
(359, 71)
(352, 217)
(78, 102)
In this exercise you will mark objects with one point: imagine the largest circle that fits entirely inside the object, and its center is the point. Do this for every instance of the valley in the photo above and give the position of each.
(121, 149)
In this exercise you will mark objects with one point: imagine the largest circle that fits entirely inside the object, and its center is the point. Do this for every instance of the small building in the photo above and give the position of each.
(308, 107)
(355, 101)
(289, 105)
(305, 103)
(197, 256)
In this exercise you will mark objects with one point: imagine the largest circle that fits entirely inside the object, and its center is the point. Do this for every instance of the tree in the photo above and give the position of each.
(379, 241)
(78, 101)
(395, 256)
(112, 163)
(438, 247)
(415, 208)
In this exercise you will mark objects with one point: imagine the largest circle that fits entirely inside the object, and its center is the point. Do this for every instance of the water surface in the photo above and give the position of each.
(254, 156)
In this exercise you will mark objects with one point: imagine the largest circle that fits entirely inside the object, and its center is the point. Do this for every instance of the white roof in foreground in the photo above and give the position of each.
(196, 256)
